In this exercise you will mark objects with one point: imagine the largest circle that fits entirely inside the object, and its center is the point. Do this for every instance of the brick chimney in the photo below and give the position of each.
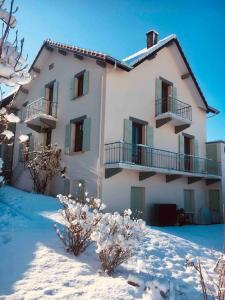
(152, 38)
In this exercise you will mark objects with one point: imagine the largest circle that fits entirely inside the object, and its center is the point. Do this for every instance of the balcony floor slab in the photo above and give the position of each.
(174, 119)
(139, 168)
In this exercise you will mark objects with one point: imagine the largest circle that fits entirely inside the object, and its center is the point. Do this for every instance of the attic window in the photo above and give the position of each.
(51, 66)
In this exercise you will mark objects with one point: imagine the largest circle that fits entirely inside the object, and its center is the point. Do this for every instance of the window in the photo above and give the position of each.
(78, 135)
(78, 141)
(80, 84)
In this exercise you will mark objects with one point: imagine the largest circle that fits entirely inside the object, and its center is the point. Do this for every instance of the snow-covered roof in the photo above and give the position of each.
(140, 55)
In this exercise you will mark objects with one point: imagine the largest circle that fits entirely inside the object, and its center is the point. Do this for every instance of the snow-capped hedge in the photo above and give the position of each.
(116, 236)
(79, 221)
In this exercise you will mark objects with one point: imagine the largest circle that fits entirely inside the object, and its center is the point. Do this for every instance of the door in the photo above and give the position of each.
(214, 205)
(136, 140)
(189, 201)
(137, 202)
(187, 153)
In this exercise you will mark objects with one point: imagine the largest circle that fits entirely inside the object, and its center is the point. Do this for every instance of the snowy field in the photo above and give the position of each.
(34, 265)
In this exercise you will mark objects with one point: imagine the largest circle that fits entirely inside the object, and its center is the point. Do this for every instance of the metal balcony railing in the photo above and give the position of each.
(142, 155)
(39, 107)
(174, 106)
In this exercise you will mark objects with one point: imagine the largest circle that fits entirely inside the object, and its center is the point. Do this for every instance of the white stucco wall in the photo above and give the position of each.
(133, 95)
(79, 165)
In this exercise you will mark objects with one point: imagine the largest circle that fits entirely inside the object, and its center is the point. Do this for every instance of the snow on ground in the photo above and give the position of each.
(34, 265)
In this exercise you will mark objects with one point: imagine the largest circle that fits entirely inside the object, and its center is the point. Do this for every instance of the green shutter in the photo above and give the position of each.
(211, 153)
(67, 139)
(55, 91)
(214, 200)
(147, 155)
(158, 96)
(66, 186)
(127, 147)
(196, 154)
(189, 201)
(73, 88)
(149, 136)
(128, 131)
(43, 92)
(86, 82)
(174, 100)
(86, 134)
(181, 152)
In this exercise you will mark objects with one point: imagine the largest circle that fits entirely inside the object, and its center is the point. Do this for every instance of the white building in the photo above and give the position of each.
(133, 132)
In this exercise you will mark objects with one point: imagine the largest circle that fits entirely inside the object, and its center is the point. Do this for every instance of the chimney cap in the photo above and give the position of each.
(152, 30)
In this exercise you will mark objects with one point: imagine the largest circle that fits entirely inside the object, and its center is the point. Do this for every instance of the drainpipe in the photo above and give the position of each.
(100, 161)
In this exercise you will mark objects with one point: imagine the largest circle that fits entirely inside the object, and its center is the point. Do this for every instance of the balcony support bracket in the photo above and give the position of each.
(193, 179)
(162, 122)
(34, 127)
(180, 128)
(170, 178)
(109, 172)
(145, 175)
(212, 181)
(49, 123)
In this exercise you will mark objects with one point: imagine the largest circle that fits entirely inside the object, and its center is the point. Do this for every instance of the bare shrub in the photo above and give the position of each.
(43, 165)
(79, 222)
(218, 281)
(116, 237)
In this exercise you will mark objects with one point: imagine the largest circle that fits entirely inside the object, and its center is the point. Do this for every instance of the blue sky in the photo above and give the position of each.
(118, 28)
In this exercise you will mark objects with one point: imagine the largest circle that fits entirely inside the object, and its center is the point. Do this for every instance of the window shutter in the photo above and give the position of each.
(149, 136)
(73, 88)
(86, 134)
(128, 131)
(67, 139)
(66, 186)
(181, 152)
(174, 99)
(196, 153)
(127, 147)
(86, 82)
(158, 96)
(55, 91)
(43, 92)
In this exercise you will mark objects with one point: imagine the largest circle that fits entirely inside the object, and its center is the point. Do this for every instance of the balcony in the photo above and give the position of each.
(173, 111)
(40, 115)
(150, 161)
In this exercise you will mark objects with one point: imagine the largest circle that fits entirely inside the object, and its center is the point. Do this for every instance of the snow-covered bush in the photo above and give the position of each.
(117, 237)
(1, 177)
(43, 164)
(6, 135)
(79, 222)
